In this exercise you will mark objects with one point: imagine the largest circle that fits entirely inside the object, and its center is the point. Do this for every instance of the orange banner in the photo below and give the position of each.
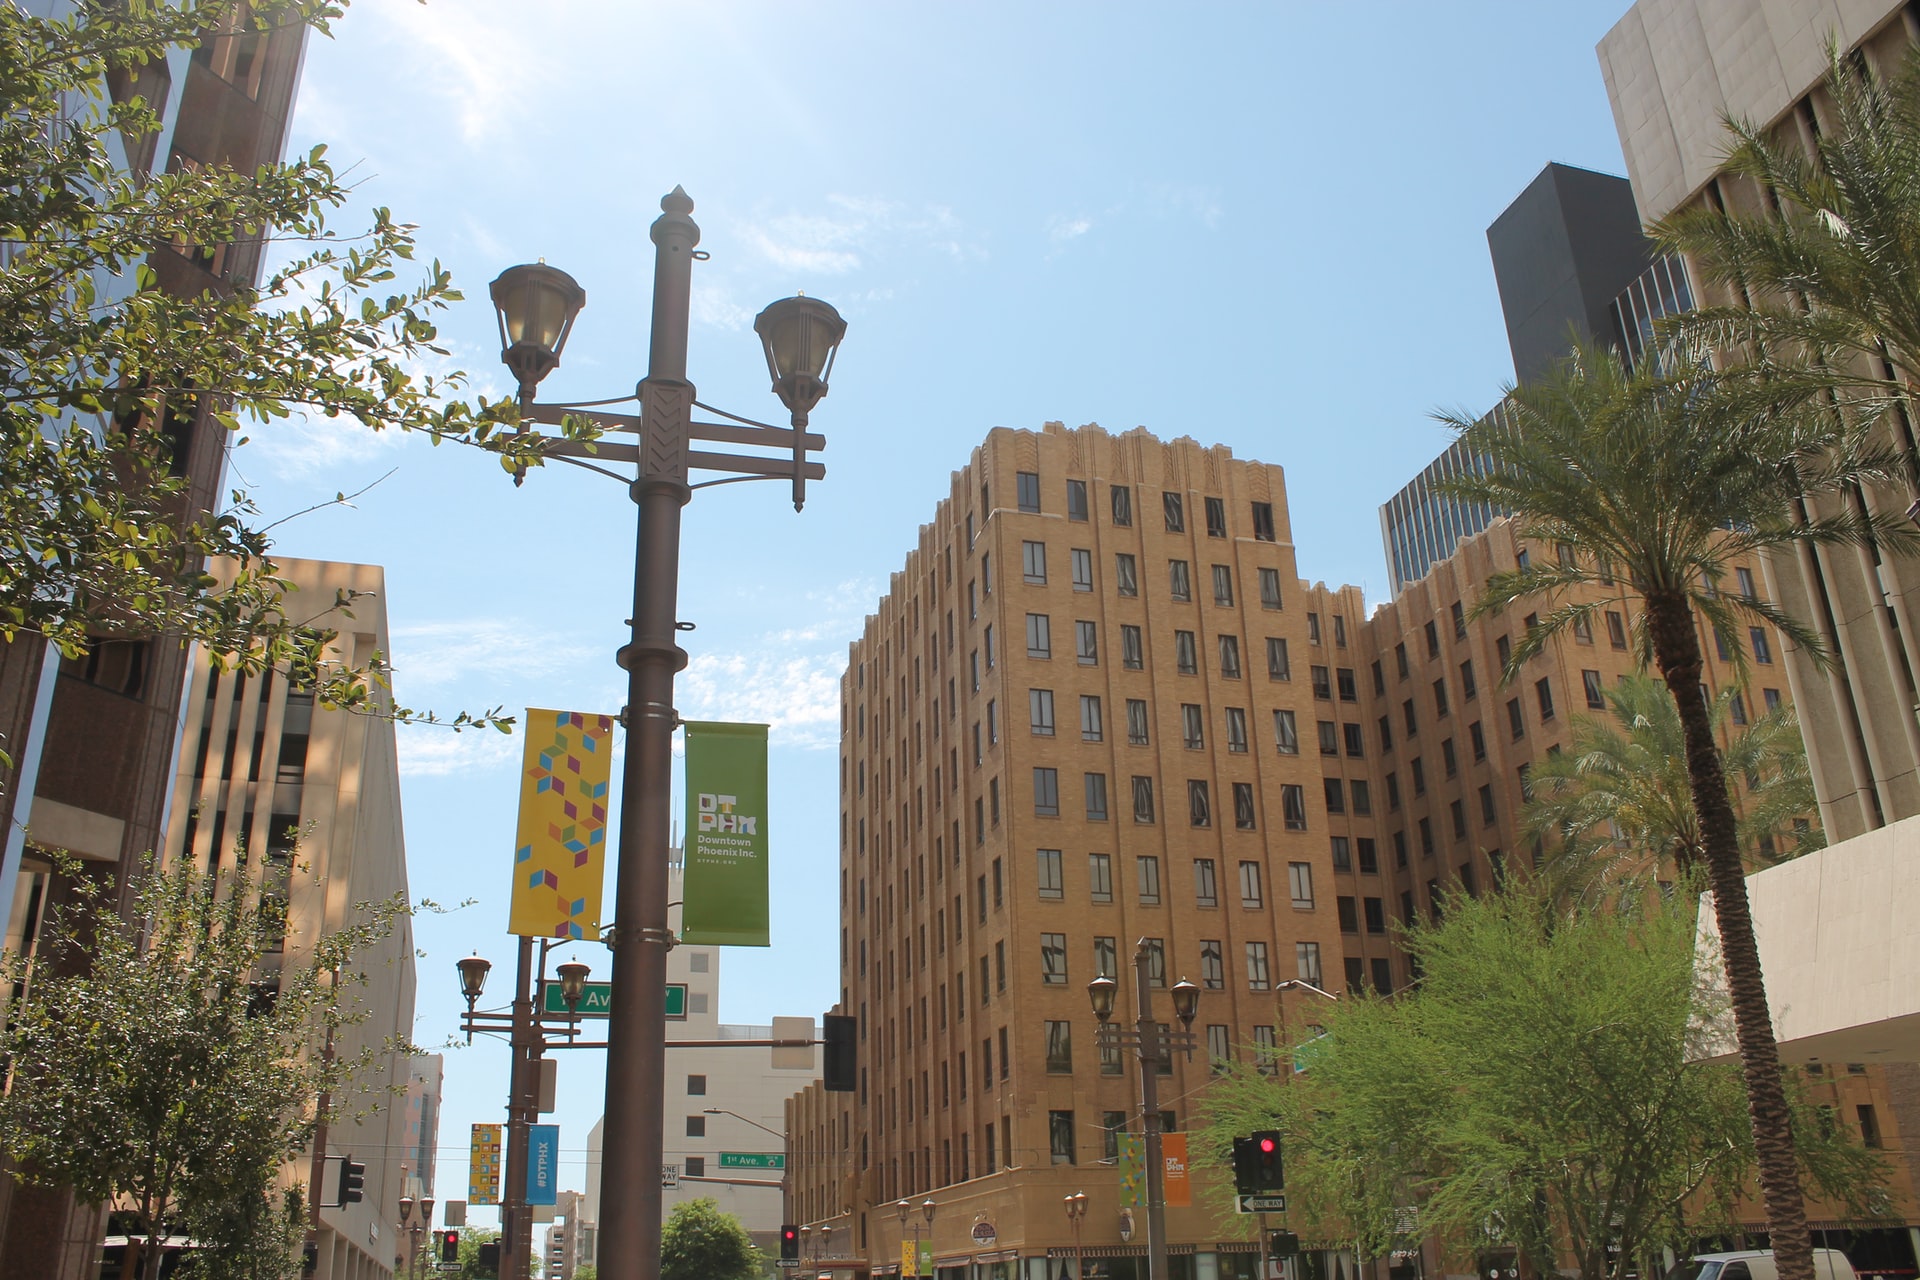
(1173, 1153)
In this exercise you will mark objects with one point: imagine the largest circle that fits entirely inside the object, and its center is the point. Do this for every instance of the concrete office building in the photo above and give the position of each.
(724, 1105)
(319, 792)
(1673, 68)
(92, 741)
(424, 1082)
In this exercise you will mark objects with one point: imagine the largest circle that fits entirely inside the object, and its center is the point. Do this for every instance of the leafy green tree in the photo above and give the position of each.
(170, 1060)
(97, 360)
(1615, 811)
(1655, 480)
(1532, 1091)
(699, 1242)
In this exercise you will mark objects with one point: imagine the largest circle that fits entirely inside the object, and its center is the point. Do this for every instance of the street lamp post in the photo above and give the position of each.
(1076, 1213)
(1151, 1046)
(527, 1038)
(904, 1208)
(537, 306)
(412, 1229)
(785, 1215)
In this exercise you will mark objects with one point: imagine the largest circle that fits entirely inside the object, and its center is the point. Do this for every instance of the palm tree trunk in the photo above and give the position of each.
(1677, 651)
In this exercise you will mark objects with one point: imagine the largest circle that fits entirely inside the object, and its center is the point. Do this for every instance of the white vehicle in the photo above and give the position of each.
(1757, 1264)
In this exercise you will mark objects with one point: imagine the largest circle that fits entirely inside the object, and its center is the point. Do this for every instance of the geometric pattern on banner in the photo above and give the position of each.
(560, 846)
(483, 1168)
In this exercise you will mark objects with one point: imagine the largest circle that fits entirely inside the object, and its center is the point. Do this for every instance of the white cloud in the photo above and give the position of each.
(430, 752)
(713, 304)
(305, 444)
(853, 228)
(477, 66)
(799, 696)
(1062, 229)
(440, 653)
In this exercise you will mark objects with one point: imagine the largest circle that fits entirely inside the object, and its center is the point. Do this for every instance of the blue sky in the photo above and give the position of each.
(1259, 225)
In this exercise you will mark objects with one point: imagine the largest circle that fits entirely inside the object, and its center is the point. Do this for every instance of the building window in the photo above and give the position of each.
(1596, 695)
(1033, 561)
(1175, 510)
(1082, 569)
(1096, 788)
(1362, 797)
(1199, 807)
(1329, 738)
(696, 1166)
(1122, 501)
(1223, 584)
(1216, 517)
(1060, 1136)
(1306, 960)
(696, 1086)
(1237, 730)
(1343, 678)
(1266, 1050)
(1479, 739)
(1156, 962)
(1376, 915)
(1086, 643)
(1278, 667)
(1132, 653)
(1440, 708)
(1206, 892)
(1026, 485)
(1369, 859)
(1039, 637)
(1126, 577)
(1053, 959)
(1051, 884)
(1300, 884)
(1046, 792)
(1263, 522)
(1258, 976)
(1186, 654)
(1516, 722)
(1213, 973)
(1040, 711)
(1335, 795)
(1348, 912)
(1104, 957)
(1616, 630)
(1486, 806)
(1192, 726)
(1219, 1046)
(1229, 657)
(1762, 649)
(1342, 854)
(1137, 722)
(1147, 869)
(1286, 735)
(1100, 875)
(1090, 729)
(1313, 628)
(1293, 806)
(1322, 683)
(696, 1126)
(1382, 976)
(1179, 582)
(1543, 693)
(1250, 895)
(1059, 1047)
(1269, 588)
(1400, 659)
(1077, 500)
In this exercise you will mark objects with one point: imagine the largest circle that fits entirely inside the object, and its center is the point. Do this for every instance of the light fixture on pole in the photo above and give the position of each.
(1076, 1205)
(1151, 1047)
(537, 306)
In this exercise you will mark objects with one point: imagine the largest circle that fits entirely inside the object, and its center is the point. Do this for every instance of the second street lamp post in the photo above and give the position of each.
(1076, 1213)
(1151, 1046)
(905, 1208)
(537, 305)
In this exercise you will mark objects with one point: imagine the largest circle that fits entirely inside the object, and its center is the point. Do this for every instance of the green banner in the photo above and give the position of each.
(726, 856)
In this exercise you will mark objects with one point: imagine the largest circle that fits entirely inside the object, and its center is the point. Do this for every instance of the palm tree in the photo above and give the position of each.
(1618, 806)
(1654, 480)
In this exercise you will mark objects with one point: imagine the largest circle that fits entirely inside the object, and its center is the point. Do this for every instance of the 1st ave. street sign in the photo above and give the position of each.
(596, 998)
(752, 1160)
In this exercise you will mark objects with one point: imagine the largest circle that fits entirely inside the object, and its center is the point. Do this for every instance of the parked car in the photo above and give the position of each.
(1757, 1264)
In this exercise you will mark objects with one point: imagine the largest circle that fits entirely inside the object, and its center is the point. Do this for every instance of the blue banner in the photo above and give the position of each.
(543, 1163)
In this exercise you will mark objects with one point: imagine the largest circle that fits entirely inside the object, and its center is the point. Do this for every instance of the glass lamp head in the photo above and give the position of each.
(800, 336)
(473, 976)
(536, 305)
(1186, 1000)
(573, 981)
(1100, 993)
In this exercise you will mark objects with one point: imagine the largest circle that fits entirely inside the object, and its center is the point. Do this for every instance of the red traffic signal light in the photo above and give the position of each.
(449, 1246)
(1267, 1145)
(789, 1242)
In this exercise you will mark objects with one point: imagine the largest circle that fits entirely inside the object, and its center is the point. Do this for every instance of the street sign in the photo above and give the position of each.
(449, 1266)
(669, 1176)
(1262, 1204)
(787, 1264)
(752, 1160)
(596, 998)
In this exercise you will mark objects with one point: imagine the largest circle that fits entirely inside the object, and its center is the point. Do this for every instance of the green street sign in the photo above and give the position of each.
(752, 1160)
(596, 998)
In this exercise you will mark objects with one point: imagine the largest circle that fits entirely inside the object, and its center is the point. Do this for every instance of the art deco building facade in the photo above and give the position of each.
(1078, 720)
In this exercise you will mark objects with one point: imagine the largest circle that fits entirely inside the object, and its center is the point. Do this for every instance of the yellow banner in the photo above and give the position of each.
(909, 1258)
(483, 1167)
(560, 850)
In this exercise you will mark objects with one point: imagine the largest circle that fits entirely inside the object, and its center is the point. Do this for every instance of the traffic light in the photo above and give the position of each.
(789, 1242)
(1246, 1177)
(838, 1068)
(449, 1246)
(489, 1259)
(1266, 1149)
(353, 1182)
(1282, 1244)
